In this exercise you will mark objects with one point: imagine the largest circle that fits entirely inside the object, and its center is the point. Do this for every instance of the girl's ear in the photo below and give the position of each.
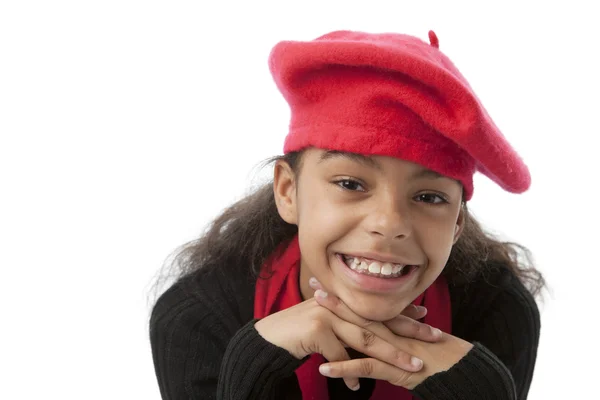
(284, 189)
(460, 224)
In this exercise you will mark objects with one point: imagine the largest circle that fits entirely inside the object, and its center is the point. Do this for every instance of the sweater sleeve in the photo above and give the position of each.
(504, 329)
(198, 356)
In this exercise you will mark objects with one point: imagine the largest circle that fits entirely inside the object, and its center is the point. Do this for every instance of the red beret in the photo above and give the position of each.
(391, 95)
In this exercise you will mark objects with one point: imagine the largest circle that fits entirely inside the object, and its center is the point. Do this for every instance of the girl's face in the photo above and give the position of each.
(375, 231)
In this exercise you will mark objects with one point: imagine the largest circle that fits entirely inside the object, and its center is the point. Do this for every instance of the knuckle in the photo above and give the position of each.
(316, 325)
(334, 300)
(367, 338)
(433, 331)
(366, 323)
(417, 328)
(365, 367)
(305, 348)
(401, 356)
(412, 310)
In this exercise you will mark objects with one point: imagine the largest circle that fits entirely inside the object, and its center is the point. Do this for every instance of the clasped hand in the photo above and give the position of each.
(401, 351)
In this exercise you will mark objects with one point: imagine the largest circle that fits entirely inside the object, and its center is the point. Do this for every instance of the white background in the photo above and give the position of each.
(126, 125)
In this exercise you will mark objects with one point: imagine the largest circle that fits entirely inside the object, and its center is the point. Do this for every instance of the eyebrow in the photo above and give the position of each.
(426, 173)
(368, 161)
(423, 173)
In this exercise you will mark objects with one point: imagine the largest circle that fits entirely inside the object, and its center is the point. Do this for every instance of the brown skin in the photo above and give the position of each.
(311, 327)
(405, 338)
(342, 205)
(383, 205)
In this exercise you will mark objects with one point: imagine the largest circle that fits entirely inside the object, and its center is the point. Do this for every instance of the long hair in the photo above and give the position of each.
(248, 231)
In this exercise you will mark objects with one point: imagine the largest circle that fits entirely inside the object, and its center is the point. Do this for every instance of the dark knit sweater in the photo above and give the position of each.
(205, 346)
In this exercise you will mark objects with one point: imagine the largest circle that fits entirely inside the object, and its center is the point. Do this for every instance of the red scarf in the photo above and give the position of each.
(282, 291)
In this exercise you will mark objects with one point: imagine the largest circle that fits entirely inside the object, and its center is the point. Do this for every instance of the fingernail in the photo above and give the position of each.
(437, 332)
(421, 309)
(320, 293)
(313, 281)
(355, 388)
(416, 362)
(325, 369)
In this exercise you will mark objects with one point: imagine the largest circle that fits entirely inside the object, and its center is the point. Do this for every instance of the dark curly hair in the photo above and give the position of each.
(248, 231)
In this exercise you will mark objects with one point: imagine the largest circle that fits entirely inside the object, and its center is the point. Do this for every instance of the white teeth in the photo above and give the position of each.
(375, 268)
(363, 266)
(386, 269)
(352, 262)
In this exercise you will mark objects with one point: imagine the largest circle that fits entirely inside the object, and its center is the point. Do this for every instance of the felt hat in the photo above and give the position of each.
(392, 95)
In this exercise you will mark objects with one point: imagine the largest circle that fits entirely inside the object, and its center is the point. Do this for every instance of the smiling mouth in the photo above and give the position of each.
(376, 268)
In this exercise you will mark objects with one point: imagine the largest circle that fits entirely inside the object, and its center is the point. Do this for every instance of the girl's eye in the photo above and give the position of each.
(351, 185)
(431, 198)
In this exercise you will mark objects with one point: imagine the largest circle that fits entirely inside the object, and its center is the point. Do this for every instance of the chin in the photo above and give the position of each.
(378, 310)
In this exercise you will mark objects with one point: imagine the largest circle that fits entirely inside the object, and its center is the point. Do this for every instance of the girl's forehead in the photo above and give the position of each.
(322, 157)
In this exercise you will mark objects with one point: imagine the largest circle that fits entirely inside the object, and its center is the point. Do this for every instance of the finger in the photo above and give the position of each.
(331, 348)
(314, 283)
(367, 342)
(368, 368)
(408, 327)
(414, 311)
(399, 326)
(339, 308)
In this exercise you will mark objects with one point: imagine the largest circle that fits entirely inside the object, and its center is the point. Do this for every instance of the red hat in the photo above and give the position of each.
(391, 95)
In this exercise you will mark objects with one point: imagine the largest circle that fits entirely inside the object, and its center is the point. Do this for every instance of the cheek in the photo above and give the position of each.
(438, 246)
(322, 222)
(322, 215)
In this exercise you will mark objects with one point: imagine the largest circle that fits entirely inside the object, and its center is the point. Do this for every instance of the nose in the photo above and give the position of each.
(389, 219)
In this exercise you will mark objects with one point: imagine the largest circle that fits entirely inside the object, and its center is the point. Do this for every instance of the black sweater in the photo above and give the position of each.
(204, 344)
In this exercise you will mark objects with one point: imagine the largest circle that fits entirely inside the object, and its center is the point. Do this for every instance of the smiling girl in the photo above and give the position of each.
(359, 273)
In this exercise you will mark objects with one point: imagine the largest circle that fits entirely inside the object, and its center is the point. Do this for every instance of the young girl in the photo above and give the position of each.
(358, 273)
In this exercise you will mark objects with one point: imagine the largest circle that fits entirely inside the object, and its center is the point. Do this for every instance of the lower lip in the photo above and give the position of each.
(372, 283)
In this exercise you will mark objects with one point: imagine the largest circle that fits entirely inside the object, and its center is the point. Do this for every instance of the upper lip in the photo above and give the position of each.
(379, 257)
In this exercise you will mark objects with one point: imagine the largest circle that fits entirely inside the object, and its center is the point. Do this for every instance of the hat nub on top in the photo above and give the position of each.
(392, 95)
